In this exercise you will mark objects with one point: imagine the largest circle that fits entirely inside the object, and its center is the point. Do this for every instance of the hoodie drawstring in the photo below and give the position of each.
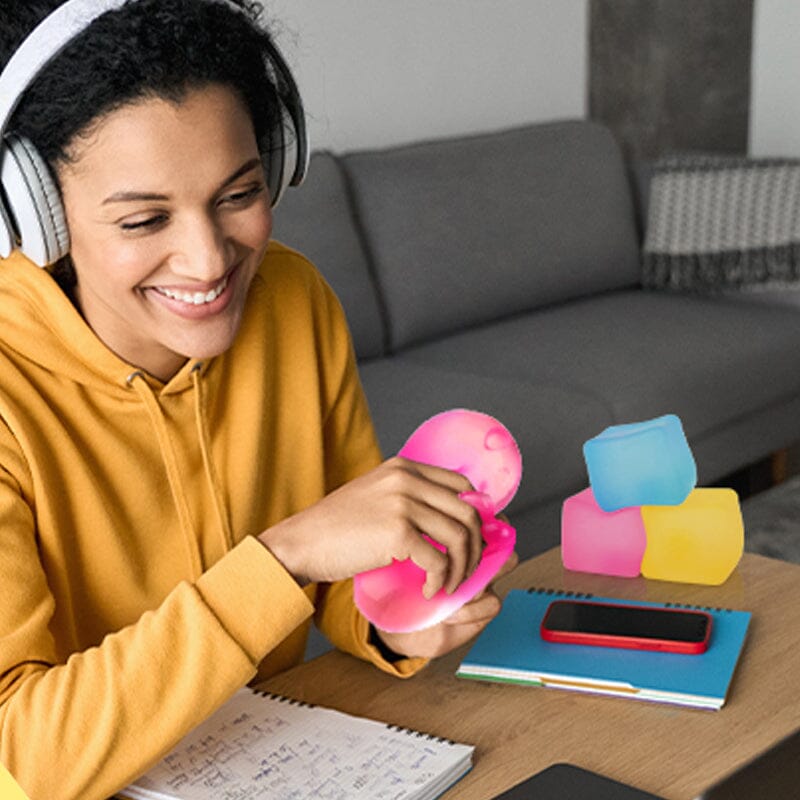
(208, 464)
(136, 380)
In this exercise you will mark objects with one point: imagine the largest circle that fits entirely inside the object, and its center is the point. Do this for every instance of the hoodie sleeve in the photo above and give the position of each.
(86, 727)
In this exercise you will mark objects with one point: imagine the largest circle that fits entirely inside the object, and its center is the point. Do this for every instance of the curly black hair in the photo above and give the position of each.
(145, 48)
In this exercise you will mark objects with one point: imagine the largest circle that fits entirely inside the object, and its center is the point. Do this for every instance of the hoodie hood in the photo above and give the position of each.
(39, 322)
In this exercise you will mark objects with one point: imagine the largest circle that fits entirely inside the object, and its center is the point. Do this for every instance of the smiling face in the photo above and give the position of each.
(169, 217)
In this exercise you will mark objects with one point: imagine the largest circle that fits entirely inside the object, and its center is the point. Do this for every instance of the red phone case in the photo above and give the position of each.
(630, 642)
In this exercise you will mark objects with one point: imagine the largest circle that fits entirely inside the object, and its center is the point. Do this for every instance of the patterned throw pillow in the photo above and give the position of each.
(720, 222)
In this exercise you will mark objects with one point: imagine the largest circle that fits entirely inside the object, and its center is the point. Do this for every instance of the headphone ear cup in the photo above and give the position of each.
(275, 159)
(272, 158)
(8, 238)
(287, 153)
(34, 206)
(281, 161)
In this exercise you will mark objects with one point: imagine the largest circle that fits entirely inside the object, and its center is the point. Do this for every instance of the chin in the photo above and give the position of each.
(206, 352)
(210, 345)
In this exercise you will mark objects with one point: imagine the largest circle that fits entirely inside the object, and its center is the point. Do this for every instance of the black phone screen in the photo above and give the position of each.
(627, 621)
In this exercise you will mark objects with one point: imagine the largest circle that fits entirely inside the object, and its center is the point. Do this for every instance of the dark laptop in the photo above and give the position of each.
(568, 782)
(772, 776)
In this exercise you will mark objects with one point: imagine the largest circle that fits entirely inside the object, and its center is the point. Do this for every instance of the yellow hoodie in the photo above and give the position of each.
(134, 598)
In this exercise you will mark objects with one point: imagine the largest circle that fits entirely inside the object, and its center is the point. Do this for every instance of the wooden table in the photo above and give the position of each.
(670, 751)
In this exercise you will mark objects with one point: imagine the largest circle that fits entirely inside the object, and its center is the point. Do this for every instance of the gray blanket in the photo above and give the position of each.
(721, 222)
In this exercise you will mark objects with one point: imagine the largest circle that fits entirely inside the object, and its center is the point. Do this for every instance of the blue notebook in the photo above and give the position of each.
(510, 649)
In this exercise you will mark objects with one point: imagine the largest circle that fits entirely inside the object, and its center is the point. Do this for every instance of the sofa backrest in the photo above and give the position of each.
(316, 219)
(462, 231)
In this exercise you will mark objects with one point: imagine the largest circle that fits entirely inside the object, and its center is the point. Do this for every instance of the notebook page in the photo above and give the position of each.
(259, 746)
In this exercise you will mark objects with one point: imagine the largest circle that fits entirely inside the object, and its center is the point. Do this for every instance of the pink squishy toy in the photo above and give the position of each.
(481, 448)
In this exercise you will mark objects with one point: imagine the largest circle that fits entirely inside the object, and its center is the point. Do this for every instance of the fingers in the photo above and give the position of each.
(486, 605)
(446, 478)
(449, 634)
(457, 528)
(433, 561)
(478, 611)
(432, 506)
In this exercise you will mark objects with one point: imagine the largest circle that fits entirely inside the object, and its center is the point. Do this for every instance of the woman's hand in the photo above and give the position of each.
(458, 628)
(381, 516)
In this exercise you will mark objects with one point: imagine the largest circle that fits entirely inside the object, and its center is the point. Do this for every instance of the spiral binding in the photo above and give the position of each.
(419, 734)
(282, 698)
(697, 607)
(559, 593)
(586, 595)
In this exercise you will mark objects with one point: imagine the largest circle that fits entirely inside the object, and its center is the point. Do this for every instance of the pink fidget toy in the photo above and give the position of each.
(481, 448)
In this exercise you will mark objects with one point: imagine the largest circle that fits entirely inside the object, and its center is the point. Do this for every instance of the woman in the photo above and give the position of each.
(188, 471)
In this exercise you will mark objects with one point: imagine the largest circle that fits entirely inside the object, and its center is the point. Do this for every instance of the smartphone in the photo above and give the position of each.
(672, 630)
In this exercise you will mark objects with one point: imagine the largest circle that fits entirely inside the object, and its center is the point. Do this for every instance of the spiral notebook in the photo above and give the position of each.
(262, 745)
(510, 649)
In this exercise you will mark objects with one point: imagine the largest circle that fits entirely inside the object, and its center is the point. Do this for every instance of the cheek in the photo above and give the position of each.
(108, 264)
(97, 253)
(255, 227)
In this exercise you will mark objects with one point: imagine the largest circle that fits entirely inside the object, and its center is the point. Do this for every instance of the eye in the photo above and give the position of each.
(243, 197)
(144, 224)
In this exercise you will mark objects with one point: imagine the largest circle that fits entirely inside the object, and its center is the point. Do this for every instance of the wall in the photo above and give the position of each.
(382, 72)
(775, 110)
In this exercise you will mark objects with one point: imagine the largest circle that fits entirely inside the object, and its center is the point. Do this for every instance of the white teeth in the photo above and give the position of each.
(198, 298)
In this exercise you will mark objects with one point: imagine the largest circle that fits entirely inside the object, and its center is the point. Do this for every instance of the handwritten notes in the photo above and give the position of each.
(262, 746)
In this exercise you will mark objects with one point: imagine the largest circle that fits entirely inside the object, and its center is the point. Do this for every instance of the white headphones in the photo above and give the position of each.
(31, 213)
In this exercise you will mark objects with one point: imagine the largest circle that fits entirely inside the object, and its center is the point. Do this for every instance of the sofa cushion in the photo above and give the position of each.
(315, 219)
(463, 231)
(714, 362)
(550, 422)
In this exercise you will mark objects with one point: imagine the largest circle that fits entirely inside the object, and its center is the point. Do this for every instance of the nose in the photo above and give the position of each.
(202, 250)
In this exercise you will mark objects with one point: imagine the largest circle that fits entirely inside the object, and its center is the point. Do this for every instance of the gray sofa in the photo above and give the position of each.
(501, 272)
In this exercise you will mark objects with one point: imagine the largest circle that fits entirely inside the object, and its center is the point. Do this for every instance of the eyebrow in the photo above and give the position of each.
(128, 196)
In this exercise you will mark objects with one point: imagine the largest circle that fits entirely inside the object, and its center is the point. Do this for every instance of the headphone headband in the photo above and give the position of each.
(43, 44)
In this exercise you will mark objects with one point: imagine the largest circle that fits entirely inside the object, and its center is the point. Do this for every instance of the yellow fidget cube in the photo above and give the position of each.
(699, 541)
